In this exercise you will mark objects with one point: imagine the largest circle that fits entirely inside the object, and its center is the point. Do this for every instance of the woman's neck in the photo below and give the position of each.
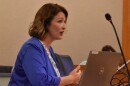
(47, 41)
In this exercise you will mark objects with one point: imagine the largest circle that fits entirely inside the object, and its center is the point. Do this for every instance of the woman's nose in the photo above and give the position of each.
(64, 26)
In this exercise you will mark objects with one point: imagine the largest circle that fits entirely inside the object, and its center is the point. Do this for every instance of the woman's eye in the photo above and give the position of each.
(60, 21)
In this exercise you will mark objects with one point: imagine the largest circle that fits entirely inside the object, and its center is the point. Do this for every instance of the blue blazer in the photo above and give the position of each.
(33, 67)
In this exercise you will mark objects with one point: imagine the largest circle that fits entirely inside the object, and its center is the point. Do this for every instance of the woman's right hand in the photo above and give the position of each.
(72, 78)
(75, 75)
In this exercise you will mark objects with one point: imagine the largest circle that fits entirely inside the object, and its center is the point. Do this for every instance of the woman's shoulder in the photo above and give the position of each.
(32, 42)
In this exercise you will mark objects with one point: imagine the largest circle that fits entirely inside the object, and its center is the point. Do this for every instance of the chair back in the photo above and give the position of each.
(66, 63)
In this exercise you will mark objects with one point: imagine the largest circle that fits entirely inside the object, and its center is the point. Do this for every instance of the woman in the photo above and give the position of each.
(36, 64)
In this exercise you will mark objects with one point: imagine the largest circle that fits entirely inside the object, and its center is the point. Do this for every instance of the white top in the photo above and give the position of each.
(52, 61)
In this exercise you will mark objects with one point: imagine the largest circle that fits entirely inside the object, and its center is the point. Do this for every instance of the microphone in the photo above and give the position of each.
(108, 17)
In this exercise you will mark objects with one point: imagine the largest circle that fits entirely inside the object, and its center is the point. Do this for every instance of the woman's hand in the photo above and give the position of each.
(75, 75)
(72, 78)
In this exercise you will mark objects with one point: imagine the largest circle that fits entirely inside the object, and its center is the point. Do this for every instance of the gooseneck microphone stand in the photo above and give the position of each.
(108, 17)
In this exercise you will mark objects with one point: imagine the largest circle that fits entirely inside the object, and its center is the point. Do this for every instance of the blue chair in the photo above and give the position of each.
(66, 63)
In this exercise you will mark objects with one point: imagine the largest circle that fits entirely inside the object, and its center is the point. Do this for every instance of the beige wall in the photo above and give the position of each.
(87, 26)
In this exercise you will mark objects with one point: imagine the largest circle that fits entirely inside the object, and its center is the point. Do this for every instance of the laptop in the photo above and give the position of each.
(100, 68)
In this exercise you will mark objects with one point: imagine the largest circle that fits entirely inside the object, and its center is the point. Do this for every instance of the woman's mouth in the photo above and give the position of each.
(61, 33)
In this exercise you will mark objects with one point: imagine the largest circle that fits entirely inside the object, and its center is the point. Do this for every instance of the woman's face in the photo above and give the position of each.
(57, 26)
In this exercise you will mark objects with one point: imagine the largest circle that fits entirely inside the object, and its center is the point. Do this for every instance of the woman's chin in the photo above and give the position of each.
(59, 38)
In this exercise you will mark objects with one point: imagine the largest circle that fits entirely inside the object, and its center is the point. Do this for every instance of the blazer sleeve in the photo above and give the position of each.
(34, 66)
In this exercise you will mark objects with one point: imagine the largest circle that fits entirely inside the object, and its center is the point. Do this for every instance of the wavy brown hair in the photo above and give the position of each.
(43, 18)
